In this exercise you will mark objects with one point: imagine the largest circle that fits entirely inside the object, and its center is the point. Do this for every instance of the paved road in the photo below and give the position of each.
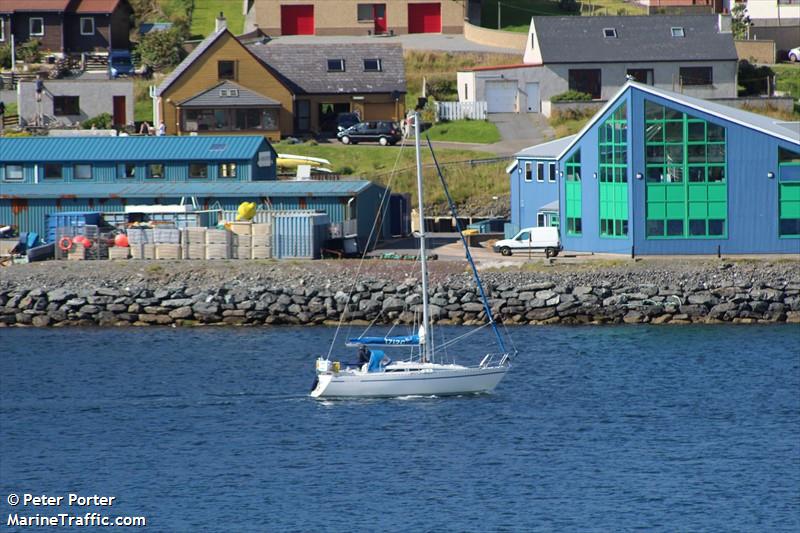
(428, 41)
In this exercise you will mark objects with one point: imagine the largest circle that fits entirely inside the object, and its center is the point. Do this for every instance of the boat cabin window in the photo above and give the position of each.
(524, 236)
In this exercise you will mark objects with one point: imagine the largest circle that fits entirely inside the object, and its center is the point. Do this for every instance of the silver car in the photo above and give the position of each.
(794, 55)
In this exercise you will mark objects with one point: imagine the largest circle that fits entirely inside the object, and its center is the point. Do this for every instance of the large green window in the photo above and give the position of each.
(572, 169)
(613, 159)
(788, 193)
(687, 191)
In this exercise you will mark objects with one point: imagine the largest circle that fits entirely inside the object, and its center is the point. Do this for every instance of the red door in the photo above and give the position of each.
(379, 16)
(297, 20)
(424, 18)
(119, 117)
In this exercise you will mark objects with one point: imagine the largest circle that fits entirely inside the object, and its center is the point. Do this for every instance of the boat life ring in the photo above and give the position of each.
(65, 244)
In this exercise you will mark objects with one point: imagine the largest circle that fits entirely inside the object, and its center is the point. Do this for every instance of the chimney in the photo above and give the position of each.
(724, 23)
(220, 23)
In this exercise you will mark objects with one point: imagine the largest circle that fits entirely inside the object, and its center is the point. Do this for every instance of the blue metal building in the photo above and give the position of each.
(106, 174)
(656, 172)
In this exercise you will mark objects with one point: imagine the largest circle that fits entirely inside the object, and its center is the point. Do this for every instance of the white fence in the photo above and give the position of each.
(461, 110)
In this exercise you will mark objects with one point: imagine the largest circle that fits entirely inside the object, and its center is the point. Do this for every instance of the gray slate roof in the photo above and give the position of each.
(212, 97)
(305, 67)
(639, 38)
(204, 45)
(548, 150)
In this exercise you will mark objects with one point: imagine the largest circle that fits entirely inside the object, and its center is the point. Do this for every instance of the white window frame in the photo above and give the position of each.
(610, 33)
(677, 31)
(75, 171)
(2, 29)
(30, 27)
(539, 172)
(528, 171)
(341, 62)
(377, 61)
(81, 27)
(551, 173)
(227, 170)
(7, 176)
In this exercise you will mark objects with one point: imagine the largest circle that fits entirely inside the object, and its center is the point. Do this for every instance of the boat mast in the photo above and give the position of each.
(425, 352)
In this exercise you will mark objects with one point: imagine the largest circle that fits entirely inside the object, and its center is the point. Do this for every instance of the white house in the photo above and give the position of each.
(691, 54)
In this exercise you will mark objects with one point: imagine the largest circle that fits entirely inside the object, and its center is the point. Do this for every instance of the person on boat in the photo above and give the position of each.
(363, 354)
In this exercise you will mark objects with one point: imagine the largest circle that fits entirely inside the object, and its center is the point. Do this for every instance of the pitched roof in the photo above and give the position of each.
(168, 148)
(548, 150)
(173, 189)
(12, 6)
(638, 38)
(761, 123)
(95, 6)
(235, 96)
(305, 67)
(199, 50)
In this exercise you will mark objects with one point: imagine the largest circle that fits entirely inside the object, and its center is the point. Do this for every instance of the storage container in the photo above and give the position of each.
(299, 235)
(73, 219)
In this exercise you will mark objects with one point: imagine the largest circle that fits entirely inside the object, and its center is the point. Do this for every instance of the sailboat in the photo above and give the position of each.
(378, 376)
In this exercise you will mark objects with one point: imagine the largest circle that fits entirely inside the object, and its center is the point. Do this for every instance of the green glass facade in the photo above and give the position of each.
(572, 171)
(613, 163)
(687, 191)
(788, 193)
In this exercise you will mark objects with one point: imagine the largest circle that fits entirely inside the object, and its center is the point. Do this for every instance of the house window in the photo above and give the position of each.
(155, 171)
(677, 31)
(129, 170)
(642, 75)
(198, 170)
(36, 26)
(540, 172)
(551, 176)
(336, 65)
(696, 76)
(226, 70)
(585, 80)
(686, 185)
(83, 172)
(613, 175)
(66, 105)
(609, 32)
(528, 171)
(533, 41)
(2, 29)
(87, 25)
(365, 13)
(53, 171)
(13, 173)
(540, 220)
(788, 193)
(227, 170)
(372, 65)
(572, 187)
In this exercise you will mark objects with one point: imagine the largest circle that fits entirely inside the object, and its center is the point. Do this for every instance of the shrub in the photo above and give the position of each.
(754, 80)
(345, 170)
(5, 56)
(569, 6)
(443, 89)
(28, 51)
(161, 49)
(103, 121)
(571, 96)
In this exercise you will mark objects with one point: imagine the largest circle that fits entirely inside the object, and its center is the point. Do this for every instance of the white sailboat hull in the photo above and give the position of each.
(437, 380)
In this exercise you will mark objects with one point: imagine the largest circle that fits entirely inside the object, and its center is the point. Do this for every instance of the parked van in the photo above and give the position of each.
(544, 239)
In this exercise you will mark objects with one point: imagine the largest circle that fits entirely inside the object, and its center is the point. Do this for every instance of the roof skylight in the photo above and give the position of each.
(609, 32)
(677, 31)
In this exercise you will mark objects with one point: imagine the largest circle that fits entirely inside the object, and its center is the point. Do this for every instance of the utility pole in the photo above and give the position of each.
(498, 15)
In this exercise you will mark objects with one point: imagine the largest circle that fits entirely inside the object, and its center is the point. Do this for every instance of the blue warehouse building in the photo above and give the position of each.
(657, 172)
(40, 176)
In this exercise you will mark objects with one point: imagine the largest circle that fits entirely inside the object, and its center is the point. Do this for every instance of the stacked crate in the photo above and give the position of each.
(77, 252)
(261, 241)
(119, 252)
(168, 243)
(218, 244)
(242, 240)
(194, 243)
(142, 243)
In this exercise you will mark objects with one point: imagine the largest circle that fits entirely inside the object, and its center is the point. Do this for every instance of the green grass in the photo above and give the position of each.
(515, 15)
(206, 11)
(787, 79)
(467, 131)
(570, 121)
(142, 103)
(373, 162)
(11, 108)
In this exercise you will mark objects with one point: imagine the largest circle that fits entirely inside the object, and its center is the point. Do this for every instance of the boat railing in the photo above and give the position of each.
(498, 359)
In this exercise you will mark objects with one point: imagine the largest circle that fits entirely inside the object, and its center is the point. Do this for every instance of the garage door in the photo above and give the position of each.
(379, 111)
(297, 20)
(501, 96)
(424, 18)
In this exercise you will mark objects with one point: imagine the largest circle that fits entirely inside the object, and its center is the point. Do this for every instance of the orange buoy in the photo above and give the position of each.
(87, 243)
(121, 240)
(65, 244)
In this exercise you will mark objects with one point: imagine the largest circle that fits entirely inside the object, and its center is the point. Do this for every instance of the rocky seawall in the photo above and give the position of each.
(321, 293)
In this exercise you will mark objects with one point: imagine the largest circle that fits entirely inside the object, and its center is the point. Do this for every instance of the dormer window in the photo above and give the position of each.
(609, 32)
(372, 65)
(336, 65)
(677, 31)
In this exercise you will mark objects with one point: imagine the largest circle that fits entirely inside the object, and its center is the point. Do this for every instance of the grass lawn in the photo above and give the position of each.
(374, 162)
(787, 79)
(206, 11)
(515, 15)
(466, 131)
(570, 122)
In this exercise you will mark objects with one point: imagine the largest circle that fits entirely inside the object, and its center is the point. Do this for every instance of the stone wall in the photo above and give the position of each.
(499, 38)
(727, 294)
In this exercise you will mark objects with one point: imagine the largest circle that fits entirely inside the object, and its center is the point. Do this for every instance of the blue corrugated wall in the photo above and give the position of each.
(532, 194)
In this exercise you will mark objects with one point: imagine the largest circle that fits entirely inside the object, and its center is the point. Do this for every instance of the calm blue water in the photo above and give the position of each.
(595, 429)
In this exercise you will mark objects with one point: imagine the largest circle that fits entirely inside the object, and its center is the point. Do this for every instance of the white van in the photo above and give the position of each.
(535, 239)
